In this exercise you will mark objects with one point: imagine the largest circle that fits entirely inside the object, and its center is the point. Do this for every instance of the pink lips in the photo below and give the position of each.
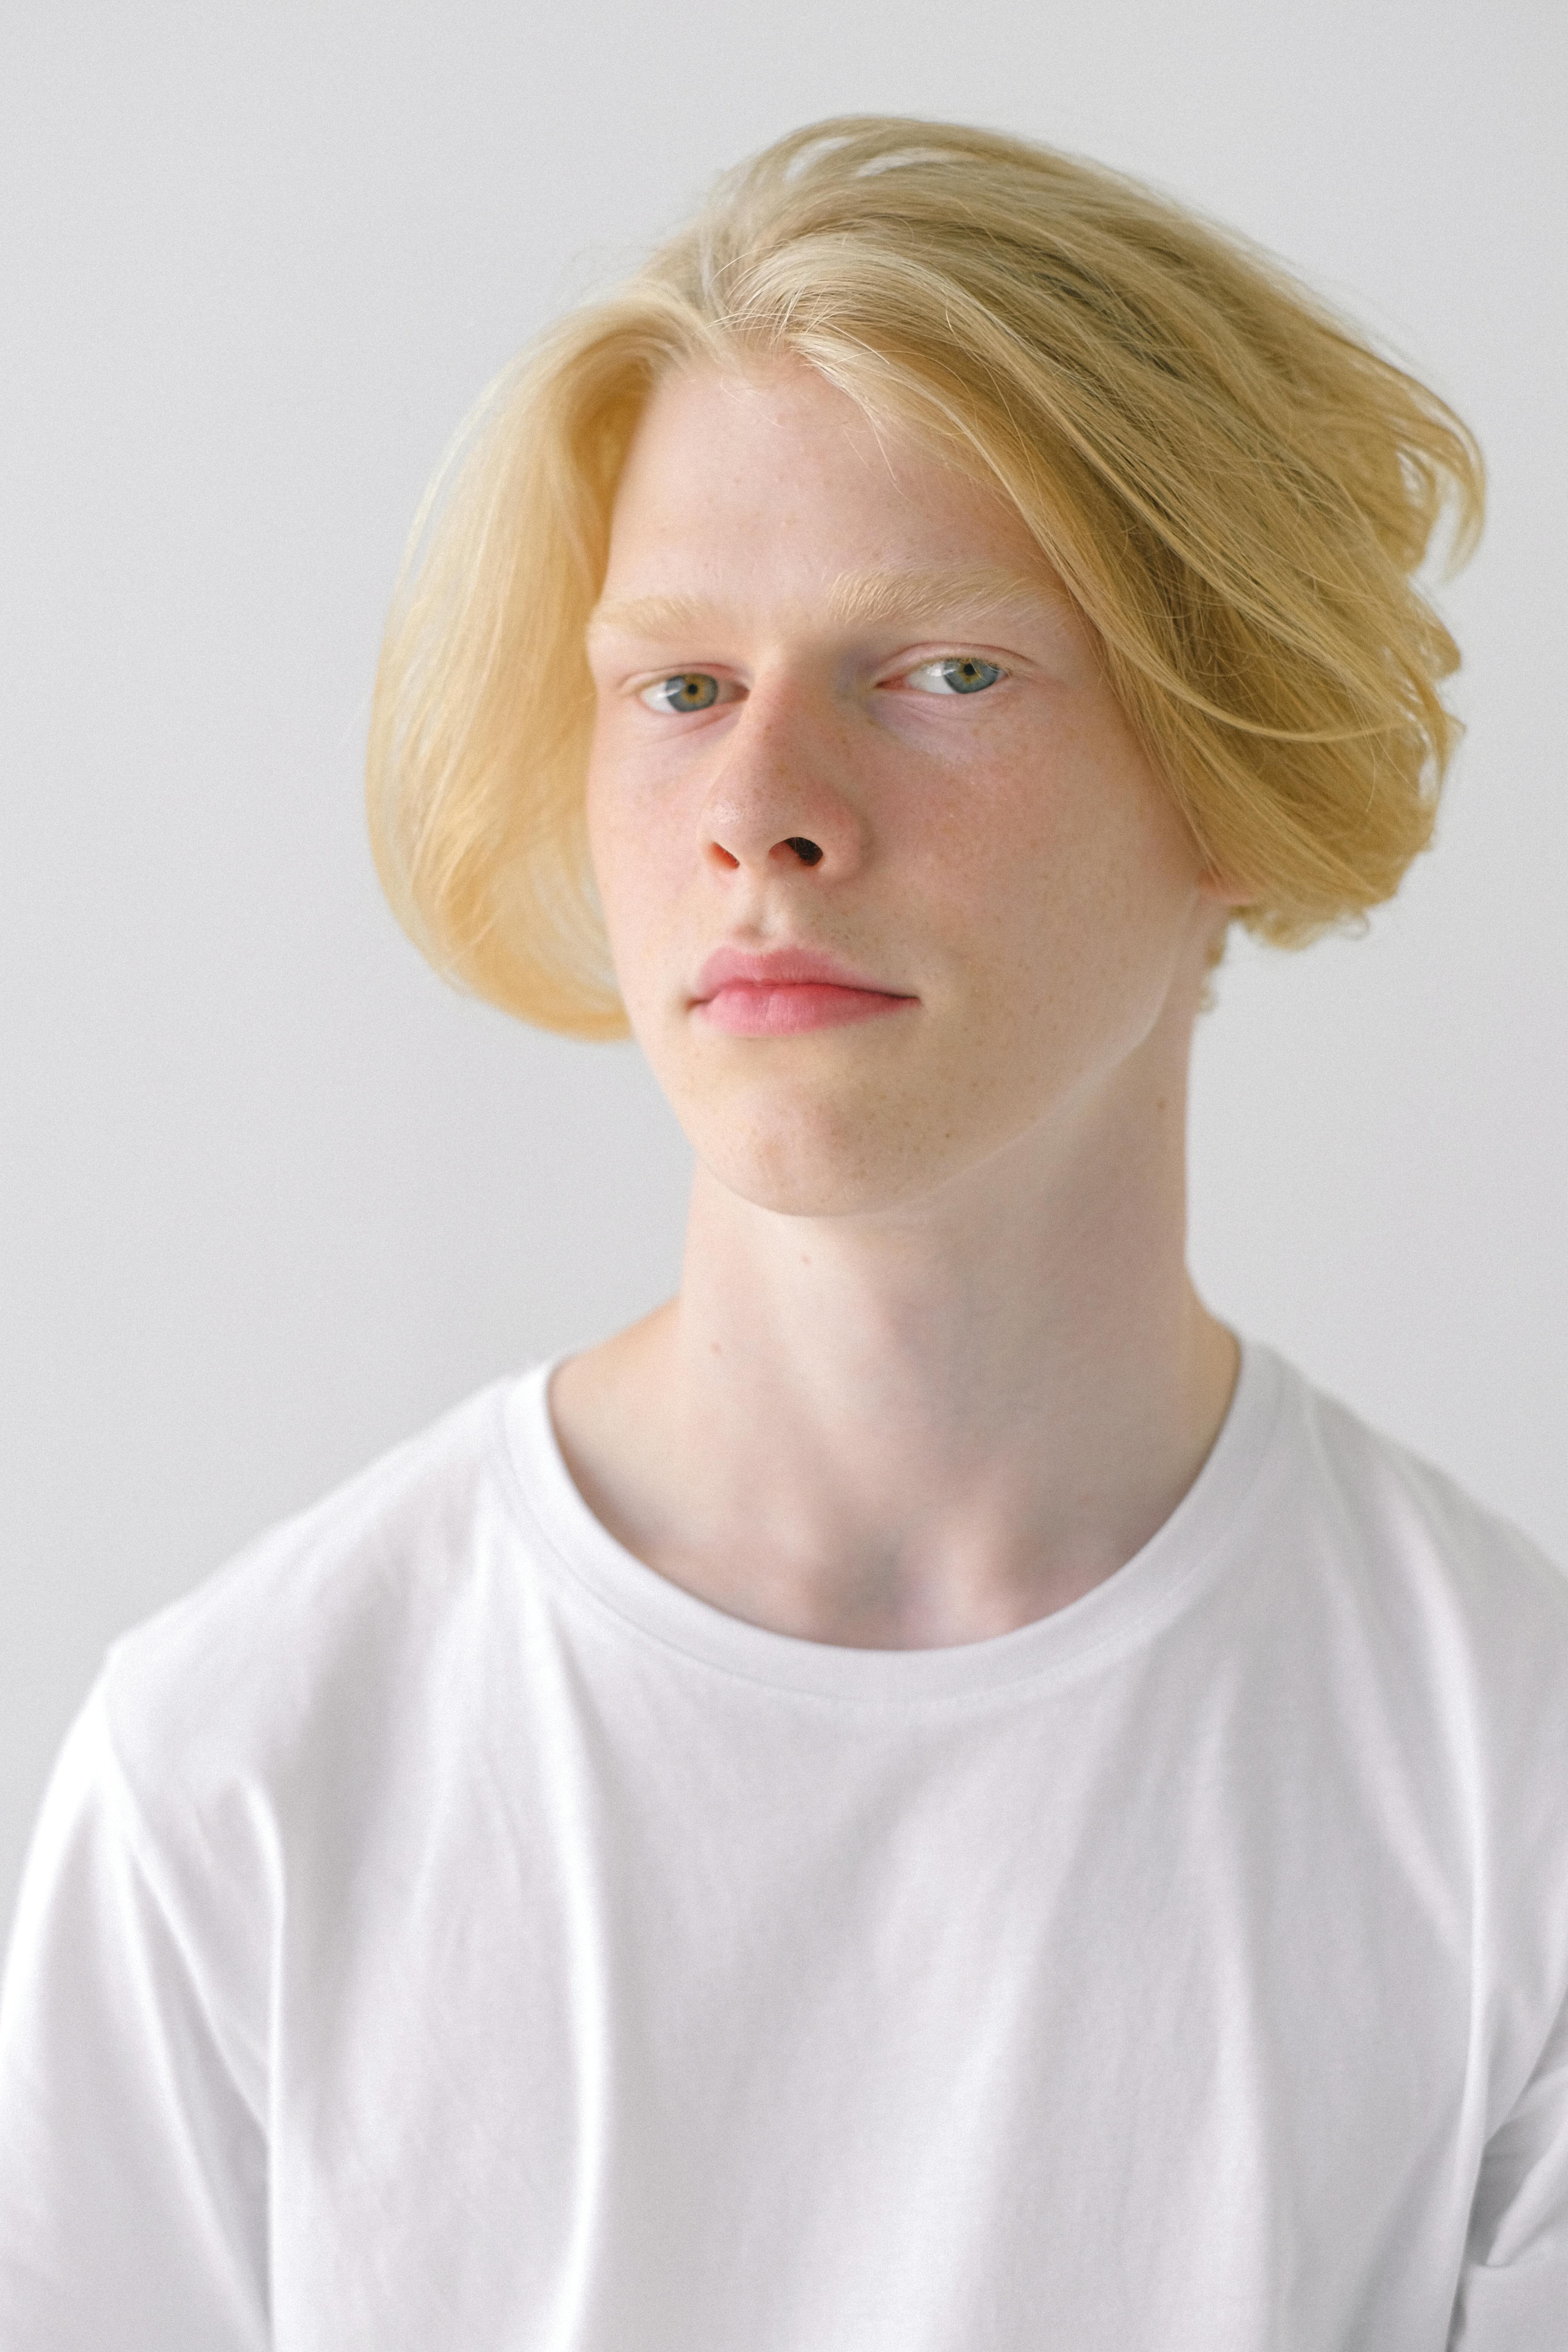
(781, 993)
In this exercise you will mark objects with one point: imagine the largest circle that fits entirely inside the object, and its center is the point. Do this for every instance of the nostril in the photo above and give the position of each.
(806, 851)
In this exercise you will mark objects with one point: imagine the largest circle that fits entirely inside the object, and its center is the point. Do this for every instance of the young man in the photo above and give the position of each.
(924, 1796)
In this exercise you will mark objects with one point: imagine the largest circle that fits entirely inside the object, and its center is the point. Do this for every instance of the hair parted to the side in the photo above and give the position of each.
(1237, 489)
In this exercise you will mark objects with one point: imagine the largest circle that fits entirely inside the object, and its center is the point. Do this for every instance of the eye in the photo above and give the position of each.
(954, 674)
(690, 689)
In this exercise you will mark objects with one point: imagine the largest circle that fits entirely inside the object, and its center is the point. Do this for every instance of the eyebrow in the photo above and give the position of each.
(855, 599)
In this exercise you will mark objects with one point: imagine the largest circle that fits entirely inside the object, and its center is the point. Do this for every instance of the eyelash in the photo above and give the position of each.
(691, 677)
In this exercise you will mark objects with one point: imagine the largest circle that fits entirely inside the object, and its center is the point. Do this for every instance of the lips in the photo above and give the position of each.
(790, 989)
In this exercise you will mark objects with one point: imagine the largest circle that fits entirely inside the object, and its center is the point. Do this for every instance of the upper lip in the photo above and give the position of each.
(781, 968)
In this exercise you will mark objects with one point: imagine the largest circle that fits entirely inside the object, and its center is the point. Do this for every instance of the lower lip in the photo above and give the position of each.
(758, 1009)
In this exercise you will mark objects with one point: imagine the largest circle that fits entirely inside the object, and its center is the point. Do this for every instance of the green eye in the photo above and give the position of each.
(692, 691)
(955, 674)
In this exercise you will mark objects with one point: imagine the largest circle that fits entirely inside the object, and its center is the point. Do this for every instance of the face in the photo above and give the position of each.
(890, 885)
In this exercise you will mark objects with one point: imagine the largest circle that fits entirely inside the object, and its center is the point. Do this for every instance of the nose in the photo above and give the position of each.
(776, 805)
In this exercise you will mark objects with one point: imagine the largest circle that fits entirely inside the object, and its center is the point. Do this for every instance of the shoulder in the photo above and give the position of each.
(1390, 1503)
(1452, 1605)
(331, 1614)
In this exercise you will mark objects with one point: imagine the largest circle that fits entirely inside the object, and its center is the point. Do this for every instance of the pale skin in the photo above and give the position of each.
(936, 1368)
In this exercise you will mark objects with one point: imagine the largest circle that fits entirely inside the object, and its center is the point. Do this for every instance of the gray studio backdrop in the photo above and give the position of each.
(272, 1196)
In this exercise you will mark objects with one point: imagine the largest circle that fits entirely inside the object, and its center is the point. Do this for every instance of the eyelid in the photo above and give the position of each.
(953, 654)
(729, 689)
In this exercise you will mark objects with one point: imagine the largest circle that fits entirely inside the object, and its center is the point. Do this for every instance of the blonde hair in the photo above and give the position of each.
(1235, 488)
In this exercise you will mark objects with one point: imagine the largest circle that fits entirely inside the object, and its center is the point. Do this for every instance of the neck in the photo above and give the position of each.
(926, 1425)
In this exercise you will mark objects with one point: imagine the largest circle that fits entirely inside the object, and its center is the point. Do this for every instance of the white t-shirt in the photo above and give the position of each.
(444, 1932)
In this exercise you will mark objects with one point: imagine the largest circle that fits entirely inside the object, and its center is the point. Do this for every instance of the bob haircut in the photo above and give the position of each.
(1234, 487)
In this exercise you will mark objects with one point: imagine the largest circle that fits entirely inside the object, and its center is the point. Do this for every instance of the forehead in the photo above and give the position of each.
(772, 475)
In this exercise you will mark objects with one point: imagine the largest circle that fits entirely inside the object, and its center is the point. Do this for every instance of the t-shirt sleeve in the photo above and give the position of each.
(132, 2159)
(1513, 2295)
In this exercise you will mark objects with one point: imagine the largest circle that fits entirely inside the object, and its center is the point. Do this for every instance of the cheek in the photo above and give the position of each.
(1064, 876)
(625, 852)
(1010, 834)
(639, 845)
(605, 850)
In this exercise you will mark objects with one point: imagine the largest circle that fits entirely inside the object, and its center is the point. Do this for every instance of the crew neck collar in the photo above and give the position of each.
(1196, 1544)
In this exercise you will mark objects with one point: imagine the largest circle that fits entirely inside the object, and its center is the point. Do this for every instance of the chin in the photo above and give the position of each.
(818, 1192)
(812, 1160)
